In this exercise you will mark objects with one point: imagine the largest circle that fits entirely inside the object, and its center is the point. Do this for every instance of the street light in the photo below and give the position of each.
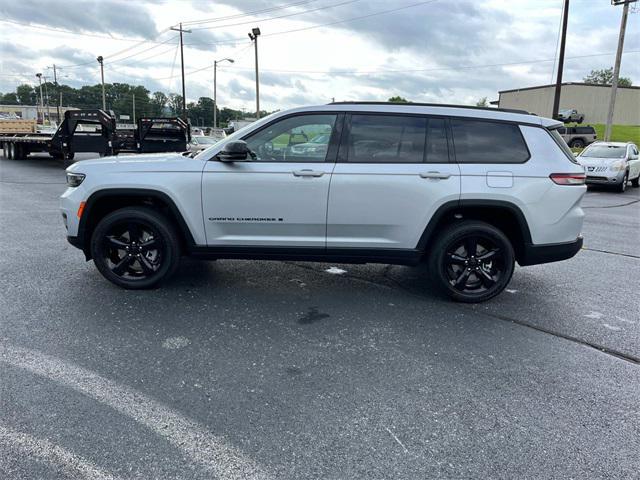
(255, 33)
(100, 61)
(215, 98)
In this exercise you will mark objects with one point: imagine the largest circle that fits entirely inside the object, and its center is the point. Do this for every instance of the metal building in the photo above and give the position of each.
(590, 99)
(33, 112)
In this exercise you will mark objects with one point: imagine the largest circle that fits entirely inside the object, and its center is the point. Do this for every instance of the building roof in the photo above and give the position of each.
(579, 84)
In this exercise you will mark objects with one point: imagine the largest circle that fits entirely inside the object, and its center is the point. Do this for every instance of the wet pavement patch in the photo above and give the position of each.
(312, 316)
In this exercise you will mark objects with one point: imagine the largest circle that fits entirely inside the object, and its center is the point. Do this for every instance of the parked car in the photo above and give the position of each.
(467, 190)
(578, 137)
(200, 142)
(570, 115)
(611, 163)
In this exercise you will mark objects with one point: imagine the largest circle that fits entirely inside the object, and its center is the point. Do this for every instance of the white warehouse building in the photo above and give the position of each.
(590, 99)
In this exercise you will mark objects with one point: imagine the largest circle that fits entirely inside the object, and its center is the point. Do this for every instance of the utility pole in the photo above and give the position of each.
(134, 108)
(46, 94)
(616, 68)
(55, 82)
(39, 75)
(184, 95)
(255, 33)
(215, 96)
(563, 41)
(104, 100)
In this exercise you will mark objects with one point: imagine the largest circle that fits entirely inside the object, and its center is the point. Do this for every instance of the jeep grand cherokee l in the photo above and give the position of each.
(468, 190)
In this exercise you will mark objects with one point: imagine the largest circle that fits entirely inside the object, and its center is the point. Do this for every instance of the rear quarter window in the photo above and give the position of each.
(479, 141)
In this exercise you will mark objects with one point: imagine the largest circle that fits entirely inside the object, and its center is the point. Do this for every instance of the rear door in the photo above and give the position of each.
(393, 173)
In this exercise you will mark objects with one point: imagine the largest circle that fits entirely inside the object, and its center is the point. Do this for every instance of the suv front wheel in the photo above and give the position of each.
(471, 261)
(135, 247)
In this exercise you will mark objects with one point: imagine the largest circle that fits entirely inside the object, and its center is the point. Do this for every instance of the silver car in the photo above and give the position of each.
(200, 142)
(611, 163)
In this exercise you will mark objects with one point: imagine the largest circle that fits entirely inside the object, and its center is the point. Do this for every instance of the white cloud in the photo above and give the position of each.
(443, 39)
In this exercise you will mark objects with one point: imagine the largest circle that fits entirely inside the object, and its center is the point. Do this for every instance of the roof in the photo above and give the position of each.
(466, 111)
(577, 84)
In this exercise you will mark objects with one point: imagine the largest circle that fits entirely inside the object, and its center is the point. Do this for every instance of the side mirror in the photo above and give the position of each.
(236, 151)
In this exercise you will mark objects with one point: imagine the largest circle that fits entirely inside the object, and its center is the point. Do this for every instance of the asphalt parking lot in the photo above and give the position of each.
(248, 369)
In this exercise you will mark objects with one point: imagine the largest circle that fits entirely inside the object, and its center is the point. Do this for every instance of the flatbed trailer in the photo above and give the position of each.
(95, 131)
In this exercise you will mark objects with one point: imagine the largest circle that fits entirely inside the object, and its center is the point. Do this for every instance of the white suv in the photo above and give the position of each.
(468, 190)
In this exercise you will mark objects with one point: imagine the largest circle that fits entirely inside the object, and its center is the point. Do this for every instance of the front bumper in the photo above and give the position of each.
(604, 178)
(553, 252)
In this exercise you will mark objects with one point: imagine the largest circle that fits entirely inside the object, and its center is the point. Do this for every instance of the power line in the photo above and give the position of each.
(323, 24)
(247, 14)
(419, 70)
(279, 16)
(70, 32)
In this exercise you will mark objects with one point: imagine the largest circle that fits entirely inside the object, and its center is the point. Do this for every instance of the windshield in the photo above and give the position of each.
(206, 140)
(605, 151)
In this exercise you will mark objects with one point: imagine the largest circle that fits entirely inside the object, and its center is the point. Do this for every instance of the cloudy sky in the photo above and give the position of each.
(453, 51)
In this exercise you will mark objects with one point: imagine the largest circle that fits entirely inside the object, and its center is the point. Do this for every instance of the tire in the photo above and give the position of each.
(450, 261)
(623, 184)
(10, 151)
(19, 152)
(122, 248)
(577, 143)
(635, 183)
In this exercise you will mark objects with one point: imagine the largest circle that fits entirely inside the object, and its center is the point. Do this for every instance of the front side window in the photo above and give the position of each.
(303, 138)
(479, 141)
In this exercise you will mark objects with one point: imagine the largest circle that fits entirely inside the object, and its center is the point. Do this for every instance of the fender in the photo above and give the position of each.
(131, 192)
(452, 207)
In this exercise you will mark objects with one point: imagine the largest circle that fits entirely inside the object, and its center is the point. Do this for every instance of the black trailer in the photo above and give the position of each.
(95, 131)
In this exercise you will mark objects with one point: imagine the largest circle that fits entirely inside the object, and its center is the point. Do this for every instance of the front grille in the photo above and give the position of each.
(597, 169)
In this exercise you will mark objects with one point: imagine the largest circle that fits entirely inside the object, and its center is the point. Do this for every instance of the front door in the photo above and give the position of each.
(392, 174)
(278, 198)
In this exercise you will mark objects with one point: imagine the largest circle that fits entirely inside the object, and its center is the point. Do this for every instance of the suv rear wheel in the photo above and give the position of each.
(471, 261)
(135, 247)
(577, 143)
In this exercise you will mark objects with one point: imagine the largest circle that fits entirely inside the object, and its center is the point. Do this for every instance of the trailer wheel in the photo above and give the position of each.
(19, 152)
(10, 150)
(4, 150)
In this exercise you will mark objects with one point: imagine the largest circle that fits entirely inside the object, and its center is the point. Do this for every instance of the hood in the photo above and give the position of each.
(597, 161)
(148, 161)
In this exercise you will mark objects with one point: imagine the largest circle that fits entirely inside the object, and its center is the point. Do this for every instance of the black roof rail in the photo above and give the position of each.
(446, 105)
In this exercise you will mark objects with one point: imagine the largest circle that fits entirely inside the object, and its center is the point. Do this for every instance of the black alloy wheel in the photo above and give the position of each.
(135, 247)
(472, 261)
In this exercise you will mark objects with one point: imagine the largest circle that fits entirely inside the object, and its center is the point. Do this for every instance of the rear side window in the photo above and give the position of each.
(585, 130)
(437, 147)
(386, 139)
(478, 141)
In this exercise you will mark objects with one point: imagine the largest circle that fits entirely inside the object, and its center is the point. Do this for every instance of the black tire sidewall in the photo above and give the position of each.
(455, 233)
(170, 253)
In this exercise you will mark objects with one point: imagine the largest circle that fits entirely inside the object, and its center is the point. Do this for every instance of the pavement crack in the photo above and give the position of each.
(611, 253)
(614, 206)
(601, 348)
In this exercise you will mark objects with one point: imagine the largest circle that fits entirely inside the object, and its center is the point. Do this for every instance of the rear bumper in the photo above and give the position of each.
(554, 252)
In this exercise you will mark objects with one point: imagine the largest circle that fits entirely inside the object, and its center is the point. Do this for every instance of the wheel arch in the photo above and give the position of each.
(105, 201)
(505, 216)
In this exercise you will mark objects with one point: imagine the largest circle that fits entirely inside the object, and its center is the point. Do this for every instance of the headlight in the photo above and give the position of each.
(75, 179)
(617, 166)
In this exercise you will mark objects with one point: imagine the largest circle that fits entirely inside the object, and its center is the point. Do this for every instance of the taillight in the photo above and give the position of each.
(568, 178)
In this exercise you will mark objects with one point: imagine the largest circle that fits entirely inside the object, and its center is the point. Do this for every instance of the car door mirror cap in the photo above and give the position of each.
(234, 151)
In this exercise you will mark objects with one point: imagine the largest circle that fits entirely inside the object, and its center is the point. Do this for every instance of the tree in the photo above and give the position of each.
(26, 95)
(175, 103)
(9, 99)
(605, 77)
(398, 99)
(158, 103)
(482, 102)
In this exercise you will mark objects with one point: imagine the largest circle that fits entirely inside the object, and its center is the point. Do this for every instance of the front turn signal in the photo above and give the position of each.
(81, 209)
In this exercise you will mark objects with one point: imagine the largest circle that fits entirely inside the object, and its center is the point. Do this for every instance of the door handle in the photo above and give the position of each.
(307, 173)
(435, 175)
